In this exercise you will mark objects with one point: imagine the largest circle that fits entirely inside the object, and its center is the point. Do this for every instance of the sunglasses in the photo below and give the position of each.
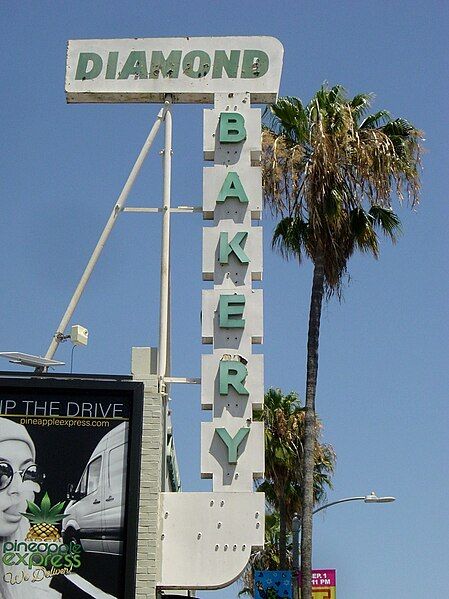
(31, 473)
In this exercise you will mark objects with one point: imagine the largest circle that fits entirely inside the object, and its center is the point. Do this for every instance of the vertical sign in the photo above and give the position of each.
(232, 445)
(324, 584)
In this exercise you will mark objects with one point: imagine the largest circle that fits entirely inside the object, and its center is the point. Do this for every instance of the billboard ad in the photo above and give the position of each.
(69, 487)
(324, 584)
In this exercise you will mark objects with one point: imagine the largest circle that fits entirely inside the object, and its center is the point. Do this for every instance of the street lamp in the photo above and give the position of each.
(296, 524)
(371, 498)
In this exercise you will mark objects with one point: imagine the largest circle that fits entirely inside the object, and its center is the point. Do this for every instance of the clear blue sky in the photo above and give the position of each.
(382, 391)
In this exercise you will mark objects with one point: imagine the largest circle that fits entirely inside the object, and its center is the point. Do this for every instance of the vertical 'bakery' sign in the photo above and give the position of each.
(232, 446)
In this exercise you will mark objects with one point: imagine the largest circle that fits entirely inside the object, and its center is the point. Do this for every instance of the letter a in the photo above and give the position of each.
(232, 188)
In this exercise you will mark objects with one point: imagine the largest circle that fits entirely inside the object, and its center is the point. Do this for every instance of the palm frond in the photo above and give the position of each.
(290, 237)
(323, 161)
(360, 104)
(289, 118)
(376, 120)
(387, 221)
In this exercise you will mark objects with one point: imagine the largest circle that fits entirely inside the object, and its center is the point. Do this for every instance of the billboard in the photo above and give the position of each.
(69, 481)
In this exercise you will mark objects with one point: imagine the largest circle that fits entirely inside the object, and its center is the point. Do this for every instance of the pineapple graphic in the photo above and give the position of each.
(43, 520)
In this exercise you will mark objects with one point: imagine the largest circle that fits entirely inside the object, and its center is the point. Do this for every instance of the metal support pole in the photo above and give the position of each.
(164, 313)
(105, 234)
(165, 246)
(296, 527)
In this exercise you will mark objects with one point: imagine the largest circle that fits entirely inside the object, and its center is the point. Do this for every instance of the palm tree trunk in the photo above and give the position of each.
(309, 430)
(282, 534)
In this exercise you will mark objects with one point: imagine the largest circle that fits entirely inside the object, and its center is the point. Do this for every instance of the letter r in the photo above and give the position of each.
(233, 373)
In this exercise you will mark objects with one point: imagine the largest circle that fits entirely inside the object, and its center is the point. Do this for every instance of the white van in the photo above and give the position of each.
(97, 507)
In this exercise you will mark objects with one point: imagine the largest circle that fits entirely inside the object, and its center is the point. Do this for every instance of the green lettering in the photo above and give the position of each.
(230, 307)
(229, 64)
(168, 67)
(57, 560)
(111, 67)
(232, 188)
(236, 245)
(233, 373)
(36, 559)
(232, 128)
(75, 547)
(84, 60)
(8, 559)
(203, 64)
(232, 443)
(22, 559)
(136, 64)
(76, 561)
(255, 64)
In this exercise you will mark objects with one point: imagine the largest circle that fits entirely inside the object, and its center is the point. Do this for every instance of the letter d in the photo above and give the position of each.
(84, 60)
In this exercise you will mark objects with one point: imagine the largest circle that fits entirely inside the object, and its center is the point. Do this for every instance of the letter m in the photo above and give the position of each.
(168, 67)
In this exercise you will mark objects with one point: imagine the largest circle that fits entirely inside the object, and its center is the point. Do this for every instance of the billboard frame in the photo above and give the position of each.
(134, 391)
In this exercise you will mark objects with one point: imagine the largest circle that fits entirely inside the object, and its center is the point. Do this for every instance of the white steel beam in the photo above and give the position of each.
(118, 207)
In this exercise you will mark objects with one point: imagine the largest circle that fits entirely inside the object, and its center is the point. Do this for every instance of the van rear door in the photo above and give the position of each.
(115, 492)
(89, 509)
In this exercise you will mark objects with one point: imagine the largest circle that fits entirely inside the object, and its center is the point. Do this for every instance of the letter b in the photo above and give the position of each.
(232, 128)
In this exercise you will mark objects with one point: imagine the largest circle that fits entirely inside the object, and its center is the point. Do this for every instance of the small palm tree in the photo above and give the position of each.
(266, 558)
(283, 417)
(330, 172)
(284, 420)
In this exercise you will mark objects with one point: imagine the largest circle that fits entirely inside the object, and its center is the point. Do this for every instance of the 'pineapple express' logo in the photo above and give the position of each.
(43, 546)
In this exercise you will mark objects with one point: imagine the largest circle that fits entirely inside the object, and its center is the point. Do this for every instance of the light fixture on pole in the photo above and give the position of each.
(296, 527)
(78, 336)
(371, 498)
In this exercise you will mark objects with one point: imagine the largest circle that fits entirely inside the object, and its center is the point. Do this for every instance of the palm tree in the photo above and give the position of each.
(266, 558)
(330, 172)
(284, 417)
(284, 420)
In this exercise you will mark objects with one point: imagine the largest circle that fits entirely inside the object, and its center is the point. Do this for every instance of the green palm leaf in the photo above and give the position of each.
(387, 221)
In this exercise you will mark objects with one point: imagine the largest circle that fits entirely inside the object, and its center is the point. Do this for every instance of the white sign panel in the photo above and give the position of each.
(192, 69)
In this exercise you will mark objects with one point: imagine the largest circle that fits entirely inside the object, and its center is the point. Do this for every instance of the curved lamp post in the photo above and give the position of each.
(296, 524)
(371, 498)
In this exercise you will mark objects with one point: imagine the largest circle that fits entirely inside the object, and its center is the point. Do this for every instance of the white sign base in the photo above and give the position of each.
(207, 538)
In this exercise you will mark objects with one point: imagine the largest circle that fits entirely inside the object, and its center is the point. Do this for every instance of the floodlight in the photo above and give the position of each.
(79, 335)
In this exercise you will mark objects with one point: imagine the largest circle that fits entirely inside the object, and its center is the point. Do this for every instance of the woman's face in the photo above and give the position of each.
(13, 499)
